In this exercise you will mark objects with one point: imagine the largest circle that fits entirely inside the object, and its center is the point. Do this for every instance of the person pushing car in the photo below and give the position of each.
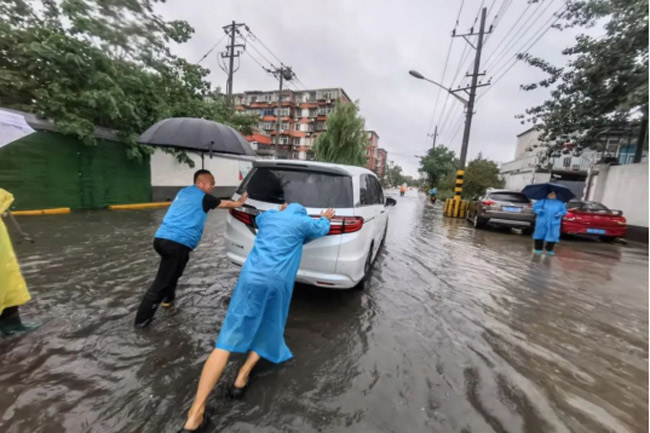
(179, 234)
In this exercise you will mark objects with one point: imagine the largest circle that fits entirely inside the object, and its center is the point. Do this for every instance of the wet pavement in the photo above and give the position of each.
(459, 331)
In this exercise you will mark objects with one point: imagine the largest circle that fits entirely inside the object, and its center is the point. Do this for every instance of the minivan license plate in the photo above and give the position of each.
(511, 209)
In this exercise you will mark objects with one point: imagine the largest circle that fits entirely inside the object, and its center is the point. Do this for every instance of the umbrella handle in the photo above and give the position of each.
(22, 233)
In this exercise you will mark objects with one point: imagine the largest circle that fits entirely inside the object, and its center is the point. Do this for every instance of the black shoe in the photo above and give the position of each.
(235, 393)
(144, 323)
(202, 427)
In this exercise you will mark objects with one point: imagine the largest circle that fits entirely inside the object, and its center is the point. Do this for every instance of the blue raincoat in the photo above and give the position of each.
(549, 219)
(260, 302)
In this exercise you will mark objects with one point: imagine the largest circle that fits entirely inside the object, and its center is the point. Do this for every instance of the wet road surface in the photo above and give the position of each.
(459, 331)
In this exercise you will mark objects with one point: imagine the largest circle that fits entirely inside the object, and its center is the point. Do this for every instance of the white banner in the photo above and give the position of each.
(12, 127)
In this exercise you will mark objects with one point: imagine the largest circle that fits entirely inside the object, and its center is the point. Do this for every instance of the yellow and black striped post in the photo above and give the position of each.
(456, 207)
(458, 190)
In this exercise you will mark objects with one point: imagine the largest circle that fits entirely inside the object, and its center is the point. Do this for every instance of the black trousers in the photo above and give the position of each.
(539, 245)
(173, 258)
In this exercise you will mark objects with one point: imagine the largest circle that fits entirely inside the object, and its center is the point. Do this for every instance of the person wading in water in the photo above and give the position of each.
(179, 233)
(258, 310)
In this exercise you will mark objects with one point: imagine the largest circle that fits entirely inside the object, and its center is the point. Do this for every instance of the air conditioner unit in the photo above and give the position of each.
(329, 101)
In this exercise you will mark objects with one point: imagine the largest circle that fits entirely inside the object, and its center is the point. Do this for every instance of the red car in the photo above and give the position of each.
(594, 219)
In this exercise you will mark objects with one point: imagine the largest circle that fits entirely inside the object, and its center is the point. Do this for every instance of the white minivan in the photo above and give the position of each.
(344, 257)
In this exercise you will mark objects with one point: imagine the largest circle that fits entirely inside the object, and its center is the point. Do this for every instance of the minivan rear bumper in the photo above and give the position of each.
(333, 281)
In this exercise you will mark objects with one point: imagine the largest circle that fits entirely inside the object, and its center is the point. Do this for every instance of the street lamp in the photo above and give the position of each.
(419, 76)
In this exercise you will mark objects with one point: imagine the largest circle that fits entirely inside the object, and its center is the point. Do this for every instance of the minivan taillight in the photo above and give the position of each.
(343, 225)
(242, 216)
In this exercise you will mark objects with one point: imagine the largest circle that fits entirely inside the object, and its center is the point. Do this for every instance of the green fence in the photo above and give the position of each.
(46, 170)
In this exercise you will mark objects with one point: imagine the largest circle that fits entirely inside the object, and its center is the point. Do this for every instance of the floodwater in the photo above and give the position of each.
(459, 331)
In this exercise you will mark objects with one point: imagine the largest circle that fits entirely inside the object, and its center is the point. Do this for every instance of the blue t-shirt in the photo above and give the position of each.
(186, 217)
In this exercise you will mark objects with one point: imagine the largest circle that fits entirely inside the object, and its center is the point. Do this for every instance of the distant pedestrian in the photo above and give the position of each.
(258, 310)
(179, 233)
(13, 290)
(548, 223)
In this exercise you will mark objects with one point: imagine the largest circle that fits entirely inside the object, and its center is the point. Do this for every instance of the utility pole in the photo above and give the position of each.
(434, 136)
(471, 90)
(230, 54)
(282, 73)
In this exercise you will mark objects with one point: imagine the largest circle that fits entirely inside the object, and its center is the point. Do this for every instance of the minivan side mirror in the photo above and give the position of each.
(390, 202)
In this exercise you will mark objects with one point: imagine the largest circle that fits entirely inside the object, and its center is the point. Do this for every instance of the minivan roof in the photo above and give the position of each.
(340, 169)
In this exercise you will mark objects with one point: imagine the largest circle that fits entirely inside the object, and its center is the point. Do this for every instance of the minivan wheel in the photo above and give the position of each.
(366, 271)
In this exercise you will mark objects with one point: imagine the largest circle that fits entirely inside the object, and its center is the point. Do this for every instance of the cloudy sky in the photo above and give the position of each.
(367, 47)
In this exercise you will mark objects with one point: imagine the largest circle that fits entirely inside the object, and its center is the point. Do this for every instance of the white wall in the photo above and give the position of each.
(524, 141)
(517, 181)
(166, 171)
(624, 187)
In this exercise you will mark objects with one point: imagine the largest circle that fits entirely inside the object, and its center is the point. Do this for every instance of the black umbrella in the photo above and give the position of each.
(539, 191)
(199, 135)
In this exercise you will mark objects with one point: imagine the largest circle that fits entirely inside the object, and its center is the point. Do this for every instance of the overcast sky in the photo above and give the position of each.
(367, 48)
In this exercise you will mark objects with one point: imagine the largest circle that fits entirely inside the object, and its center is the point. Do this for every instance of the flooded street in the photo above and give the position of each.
(459, 331)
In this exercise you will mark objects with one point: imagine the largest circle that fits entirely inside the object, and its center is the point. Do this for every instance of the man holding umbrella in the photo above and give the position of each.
(550, 209)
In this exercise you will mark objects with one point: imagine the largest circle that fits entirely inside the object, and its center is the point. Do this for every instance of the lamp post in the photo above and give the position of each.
(419, 76)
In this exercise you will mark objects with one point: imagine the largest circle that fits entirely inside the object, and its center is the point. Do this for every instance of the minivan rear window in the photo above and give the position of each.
(309, 188)
(510, 197)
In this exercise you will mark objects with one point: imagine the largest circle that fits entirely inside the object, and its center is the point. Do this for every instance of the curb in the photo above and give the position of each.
(135, 206)
(55, 211)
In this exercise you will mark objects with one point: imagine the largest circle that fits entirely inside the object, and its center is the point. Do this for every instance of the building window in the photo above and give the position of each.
(284, 111)
(284, 126)
(284, 140)
(296, 141)
(267, 126)
(268, 98)
(253, 99)
(297, 127)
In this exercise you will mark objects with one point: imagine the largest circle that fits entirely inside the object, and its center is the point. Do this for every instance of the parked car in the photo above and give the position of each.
(594, 219)
(502, 208)
(344, 257)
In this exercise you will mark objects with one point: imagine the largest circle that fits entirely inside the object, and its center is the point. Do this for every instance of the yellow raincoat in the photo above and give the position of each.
(13, 290)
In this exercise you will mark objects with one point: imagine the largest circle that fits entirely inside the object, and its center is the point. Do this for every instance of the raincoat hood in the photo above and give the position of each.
(296, 208)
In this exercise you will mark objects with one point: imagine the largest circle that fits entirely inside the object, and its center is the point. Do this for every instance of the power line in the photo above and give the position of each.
(518, 20)
(211, 49)
(256, 38)
(521, 32)
(255, 60)
(544, 29)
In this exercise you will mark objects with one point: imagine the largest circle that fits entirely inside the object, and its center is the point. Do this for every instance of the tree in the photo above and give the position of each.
(605, 83)
(393, 175)
(480, 175)
(345, 139)
(88, 63)
(437, 164)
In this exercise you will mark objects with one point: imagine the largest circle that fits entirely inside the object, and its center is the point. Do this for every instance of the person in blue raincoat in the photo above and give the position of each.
(548, 223)
(258, 310)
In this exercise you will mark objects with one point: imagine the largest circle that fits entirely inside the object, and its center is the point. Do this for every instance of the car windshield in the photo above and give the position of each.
(593, 206)
(510, 197)
(309, 188)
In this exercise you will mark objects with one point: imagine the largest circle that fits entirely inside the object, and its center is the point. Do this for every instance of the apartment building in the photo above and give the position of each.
(375, 155)
(302, 118)
(381, 162)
